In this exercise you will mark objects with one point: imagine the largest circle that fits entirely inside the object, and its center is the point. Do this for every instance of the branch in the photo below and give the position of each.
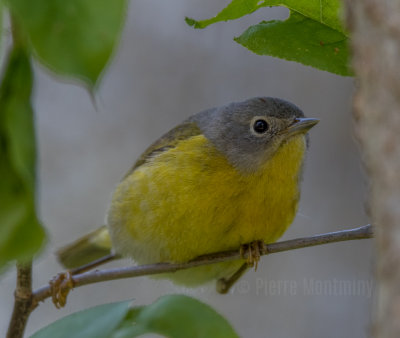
(96, 276)
(375, 46)
(23, 301)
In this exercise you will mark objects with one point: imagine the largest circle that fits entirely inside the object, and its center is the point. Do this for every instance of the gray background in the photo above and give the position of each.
(162, 72)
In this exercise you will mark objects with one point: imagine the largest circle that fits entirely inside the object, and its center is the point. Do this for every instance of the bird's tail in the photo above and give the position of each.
(86, 249)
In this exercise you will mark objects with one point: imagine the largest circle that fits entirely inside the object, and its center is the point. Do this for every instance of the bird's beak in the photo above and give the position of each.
(300, 125)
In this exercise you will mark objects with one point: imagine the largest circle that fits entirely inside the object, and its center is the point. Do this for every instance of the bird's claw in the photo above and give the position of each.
(254, 250)
(60, 286)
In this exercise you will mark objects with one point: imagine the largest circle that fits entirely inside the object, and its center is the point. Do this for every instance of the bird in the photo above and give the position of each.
(224, 178)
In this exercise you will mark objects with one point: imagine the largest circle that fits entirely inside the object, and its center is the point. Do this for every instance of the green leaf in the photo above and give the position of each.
(313, 34)
(323, 11)
(235, 10)
(176, 316)
(74, 38)
(300, 39)
(21, 235)
(96, 322)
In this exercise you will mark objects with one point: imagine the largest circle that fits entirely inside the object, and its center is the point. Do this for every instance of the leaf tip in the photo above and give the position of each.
(192, 22)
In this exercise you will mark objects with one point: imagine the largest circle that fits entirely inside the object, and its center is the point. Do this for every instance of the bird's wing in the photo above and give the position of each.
(169, 140)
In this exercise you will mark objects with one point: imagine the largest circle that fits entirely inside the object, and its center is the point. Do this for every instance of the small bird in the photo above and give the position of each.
(225, 177)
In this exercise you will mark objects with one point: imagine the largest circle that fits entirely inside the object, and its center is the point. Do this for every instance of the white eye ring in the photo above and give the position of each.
(259, 126)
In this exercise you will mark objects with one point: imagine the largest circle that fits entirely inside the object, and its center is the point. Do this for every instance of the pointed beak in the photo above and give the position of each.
(300, 125)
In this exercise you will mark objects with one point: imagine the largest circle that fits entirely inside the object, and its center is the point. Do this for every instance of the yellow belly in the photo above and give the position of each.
(189, 201)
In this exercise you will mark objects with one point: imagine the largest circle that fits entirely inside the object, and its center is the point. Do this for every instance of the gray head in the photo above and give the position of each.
(250, 132)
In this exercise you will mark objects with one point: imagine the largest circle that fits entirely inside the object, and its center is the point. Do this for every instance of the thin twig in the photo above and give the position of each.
(97, 276)
(95, 264)
(23, 301)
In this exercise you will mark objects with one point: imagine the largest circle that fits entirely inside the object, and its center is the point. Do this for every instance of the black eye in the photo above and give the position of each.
(260, 126)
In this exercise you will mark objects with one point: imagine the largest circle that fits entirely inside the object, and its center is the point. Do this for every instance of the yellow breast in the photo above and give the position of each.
(189, 201)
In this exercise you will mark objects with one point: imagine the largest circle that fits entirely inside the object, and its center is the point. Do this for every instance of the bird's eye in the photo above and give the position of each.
(260, 126)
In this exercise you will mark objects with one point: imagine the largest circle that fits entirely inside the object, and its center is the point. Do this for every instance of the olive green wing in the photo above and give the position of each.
(183, 131)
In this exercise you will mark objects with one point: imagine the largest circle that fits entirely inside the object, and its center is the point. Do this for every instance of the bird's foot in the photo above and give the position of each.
(60, 286)
(254, 250)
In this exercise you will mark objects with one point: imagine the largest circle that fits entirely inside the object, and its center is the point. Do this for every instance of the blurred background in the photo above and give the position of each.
(162, 72)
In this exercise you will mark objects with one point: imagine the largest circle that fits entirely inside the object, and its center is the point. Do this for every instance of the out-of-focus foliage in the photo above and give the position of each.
(176, 316)
(171, 316)
(312, 35)
(20, 232)
(74, 38)
(96, 322)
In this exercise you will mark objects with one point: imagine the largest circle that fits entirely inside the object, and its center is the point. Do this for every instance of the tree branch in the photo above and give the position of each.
(96, 276)
(374, 27)
(23, 301)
